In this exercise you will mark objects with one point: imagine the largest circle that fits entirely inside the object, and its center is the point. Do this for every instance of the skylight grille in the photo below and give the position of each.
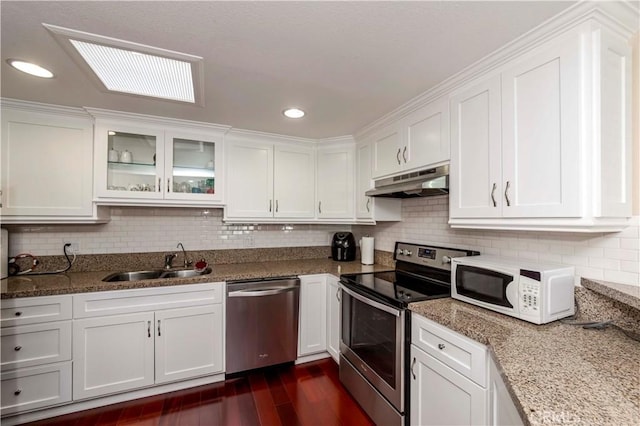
(138, 73)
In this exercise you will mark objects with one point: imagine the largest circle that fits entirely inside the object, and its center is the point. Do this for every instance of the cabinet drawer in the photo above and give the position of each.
(464, 355)
(36, 387)
(148, 299)
(33, 310)
(36, 344)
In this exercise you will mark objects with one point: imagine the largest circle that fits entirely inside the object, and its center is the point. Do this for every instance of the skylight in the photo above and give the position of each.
(138, 73)
(132, 68)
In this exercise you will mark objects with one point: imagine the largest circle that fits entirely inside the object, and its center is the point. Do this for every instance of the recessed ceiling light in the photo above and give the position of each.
(30, 68)
(293, 113)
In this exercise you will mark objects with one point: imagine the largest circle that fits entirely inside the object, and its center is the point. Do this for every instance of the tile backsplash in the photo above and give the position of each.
(611, 257)
(145, 229)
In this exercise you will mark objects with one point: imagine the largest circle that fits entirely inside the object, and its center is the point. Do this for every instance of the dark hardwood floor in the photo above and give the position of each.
(308, 394)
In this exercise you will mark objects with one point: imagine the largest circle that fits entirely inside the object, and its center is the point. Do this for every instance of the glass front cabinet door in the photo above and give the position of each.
(157, 165)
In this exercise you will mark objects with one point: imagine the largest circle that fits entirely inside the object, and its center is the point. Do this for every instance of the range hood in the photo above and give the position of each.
(425, 183)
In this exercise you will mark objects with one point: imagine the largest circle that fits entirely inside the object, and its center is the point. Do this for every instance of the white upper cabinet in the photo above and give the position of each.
(249, 179)
(269, 179)
(335, 182)
(426, 135)
(416, 141)
(475, 169)
(293, 178)
(146, 160)
(369, 209)
(540, 132)
(47, 172)
(543, 142)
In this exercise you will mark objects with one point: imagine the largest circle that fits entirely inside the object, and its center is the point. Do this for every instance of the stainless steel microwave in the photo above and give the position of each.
(532, 292)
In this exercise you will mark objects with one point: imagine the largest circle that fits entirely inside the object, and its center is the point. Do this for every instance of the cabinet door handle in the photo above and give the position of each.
(398, 156)
(148, 328)
(320, 207)
(18, 313)
(17, 348)
(168, 184)
(413, 364)
(368, 202)
(159, 329)
(441, 346)
(506, 193)
(276, 206)
(493, 194)
(18, 392)
(338, 295)
(404, 154)
(159, 187)
(270, 205)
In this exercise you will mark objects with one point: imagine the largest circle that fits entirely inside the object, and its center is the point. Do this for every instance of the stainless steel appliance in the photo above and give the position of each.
(261, 323)
(376, 328)
(343, 247)
(538, 293)
(423, 183)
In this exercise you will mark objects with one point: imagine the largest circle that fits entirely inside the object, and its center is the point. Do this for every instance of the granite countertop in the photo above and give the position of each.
(83, 282)
(556, 373)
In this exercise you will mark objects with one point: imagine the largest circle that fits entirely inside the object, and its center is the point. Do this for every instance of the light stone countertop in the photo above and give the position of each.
(83, 282)
(556, 373)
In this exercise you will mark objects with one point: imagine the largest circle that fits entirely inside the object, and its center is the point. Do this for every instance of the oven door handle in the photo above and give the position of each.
(372, 303)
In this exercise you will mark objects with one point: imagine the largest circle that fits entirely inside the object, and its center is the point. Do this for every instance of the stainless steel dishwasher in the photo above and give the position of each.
(261, 323)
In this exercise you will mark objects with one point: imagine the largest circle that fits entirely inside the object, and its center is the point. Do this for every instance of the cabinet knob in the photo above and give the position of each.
(18, 392)
(17, 348)
(441, 346)
(18, 313)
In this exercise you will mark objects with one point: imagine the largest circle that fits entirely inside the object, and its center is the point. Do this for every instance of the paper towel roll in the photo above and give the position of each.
(366, 250)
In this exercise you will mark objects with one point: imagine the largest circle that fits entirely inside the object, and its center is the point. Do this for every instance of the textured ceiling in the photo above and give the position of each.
(345, 63)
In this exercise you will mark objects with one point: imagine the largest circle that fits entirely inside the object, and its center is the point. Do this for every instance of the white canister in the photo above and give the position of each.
(114, 156)
(366, 250)
(126, 157)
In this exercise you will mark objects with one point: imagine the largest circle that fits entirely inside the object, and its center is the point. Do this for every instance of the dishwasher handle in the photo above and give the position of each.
(267, 291)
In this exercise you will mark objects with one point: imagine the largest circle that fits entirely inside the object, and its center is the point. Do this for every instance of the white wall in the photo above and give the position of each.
(612, 257)
(159, 229)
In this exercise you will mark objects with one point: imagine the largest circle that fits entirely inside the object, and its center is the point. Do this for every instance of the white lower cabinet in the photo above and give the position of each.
(112, 354)
(36, 387)
(502, 410)
(35, 353)
(448, 376)
(188, 342)
(312, 326)
(333, 317)
(441, 396)
(118, 353)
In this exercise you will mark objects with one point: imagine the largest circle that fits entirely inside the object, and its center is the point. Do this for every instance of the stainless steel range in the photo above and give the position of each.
(375, 331)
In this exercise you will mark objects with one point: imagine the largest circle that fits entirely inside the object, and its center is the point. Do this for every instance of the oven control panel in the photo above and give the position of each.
(435, 257)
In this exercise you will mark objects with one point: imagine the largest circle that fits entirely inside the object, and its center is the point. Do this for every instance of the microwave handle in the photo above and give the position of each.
(372, 303)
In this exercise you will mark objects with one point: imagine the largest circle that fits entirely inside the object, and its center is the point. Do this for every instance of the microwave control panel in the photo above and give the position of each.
(529, 295)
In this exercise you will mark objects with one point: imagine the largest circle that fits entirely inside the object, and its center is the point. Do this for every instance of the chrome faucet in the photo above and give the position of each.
(187, 262)
(168, 260)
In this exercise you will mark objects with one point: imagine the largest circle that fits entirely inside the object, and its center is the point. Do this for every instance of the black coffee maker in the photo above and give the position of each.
(343, 247)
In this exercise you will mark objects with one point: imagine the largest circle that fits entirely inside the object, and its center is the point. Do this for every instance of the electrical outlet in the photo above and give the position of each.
(250, 241)
(74, 248)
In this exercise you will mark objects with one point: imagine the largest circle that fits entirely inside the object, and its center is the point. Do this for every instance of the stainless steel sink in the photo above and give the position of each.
(185, 273)
(154, 274)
